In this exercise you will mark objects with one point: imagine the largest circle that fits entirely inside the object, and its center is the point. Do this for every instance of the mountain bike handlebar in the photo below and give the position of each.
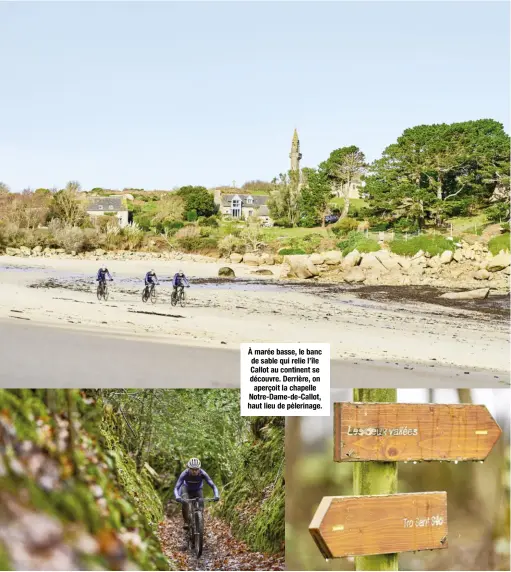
(208, 499)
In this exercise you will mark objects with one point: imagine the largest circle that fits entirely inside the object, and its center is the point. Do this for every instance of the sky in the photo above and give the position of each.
(165, 94)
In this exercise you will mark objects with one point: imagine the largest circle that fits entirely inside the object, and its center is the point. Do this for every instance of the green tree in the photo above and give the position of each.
(315, 197)
(67, 205)
(284, 203)
(198, 199)
(342, 169)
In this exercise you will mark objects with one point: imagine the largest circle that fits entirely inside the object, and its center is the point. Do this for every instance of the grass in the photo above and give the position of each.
(357, 240)
(472, 224)
(498, 243)
(432, 244)
(354, 203)
(277, 232)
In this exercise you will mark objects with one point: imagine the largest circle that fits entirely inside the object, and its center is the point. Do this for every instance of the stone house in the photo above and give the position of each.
(99, 206)
(243, 205)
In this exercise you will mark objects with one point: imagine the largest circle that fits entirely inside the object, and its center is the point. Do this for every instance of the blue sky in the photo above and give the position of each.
(157, 95)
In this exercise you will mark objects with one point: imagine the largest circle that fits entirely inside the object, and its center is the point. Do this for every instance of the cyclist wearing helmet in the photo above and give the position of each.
(179, 281)
(189, 485)
(102, 274)
(150, 279)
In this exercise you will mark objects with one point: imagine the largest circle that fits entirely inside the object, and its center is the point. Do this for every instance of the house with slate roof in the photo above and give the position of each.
(99, 206)
(243, 205)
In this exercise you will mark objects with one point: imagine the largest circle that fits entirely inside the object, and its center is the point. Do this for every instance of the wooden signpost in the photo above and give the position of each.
(380, 524)
(375, 527)
(410, 432)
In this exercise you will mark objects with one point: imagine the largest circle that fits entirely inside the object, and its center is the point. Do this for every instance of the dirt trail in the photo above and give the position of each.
(221, 550)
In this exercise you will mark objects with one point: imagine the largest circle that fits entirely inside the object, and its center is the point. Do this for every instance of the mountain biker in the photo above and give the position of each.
(150, 279)
(189, 486)
(102, 274)
(179, 281)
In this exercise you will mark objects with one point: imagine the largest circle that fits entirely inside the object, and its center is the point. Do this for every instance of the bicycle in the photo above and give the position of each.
(178, 296)
(102, 291)
(149, 292)
(196, 524)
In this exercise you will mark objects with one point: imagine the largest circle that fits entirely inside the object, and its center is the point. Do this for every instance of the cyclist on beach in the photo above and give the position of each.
(179, 281)
(150, 279)
(189, 486)
(102, 274)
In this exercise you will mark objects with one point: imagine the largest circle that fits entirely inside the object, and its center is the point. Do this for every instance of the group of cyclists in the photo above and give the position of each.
(178, 282)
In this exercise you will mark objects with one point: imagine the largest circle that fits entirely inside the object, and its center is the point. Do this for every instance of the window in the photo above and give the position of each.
(236, 207)
(111, 207)
(100, 207)
(250, 200)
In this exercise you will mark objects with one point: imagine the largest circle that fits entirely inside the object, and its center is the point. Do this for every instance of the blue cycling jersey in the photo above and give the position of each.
(179, 280)
(150, 278)
(102, 275)
(194, 483)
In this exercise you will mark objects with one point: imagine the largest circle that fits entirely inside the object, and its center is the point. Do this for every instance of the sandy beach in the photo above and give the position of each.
(223, 315)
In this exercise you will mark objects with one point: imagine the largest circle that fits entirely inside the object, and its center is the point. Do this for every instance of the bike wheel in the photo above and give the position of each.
(182, 299)
(173, 299)
(105, 293)
(153, 295)
(199, 533)
(99, 292)
(145, 295)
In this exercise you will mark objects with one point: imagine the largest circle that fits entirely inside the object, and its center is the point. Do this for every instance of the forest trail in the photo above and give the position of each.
(221, 550)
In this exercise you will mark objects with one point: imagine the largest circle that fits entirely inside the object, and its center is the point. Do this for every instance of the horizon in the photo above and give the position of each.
(159, 101)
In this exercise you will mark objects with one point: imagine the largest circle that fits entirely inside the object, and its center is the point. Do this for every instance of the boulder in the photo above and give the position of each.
(479, 294)
(12, 251)
(355, 275)
(262, 272)
(226, 272)
(25, 251)
(388, 262)
(351, 260)
(419, 254)
(37, 250)
(446, 257)
(499, 262)
(251, 259)
(99, 252)
(317, 259)
(268, 259)
(300, 266)
(333, 257)
(371, 262)
(482, 275)
(457, 256)
(236, 258)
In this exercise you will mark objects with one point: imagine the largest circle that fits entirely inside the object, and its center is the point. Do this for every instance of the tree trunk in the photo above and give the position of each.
(346, 195)
(375, 478)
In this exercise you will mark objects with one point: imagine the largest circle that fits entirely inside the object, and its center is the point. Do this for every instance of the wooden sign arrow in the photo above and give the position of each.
(412, 432)
(380, 524)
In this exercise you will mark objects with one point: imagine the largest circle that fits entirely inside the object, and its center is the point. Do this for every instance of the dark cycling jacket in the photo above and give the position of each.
(102, 274)
(194, 482)
(180, 280)
(150, 279)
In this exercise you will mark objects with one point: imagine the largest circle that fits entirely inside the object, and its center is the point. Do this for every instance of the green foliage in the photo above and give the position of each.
(208, 221)
(429, 244)
(358, 241)
(289, 251)
(198, 199)
(314, 198)
(191, 216)
(344, 225)
(498, 243)
(498, 211)
(197, 243)
(505, 226)
(284, 203)
(254, 501)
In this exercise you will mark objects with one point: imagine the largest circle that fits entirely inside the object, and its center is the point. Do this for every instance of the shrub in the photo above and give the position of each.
(498, 243)
(229, 244)
(287, 251)
(191, 216)
(357, 240)
(406, 225)
(430, 244)
(188, 231)
(344, 226)
(208, 221)
(497, 212)
(134, 236)
(505, 227)
(197, 244)
(70, 238)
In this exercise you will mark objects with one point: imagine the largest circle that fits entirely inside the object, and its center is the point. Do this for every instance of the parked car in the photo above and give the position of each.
(331, 218)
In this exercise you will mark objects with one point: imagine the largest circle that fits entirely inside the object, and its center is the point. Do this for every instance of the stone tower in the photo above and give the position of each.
(295, 154)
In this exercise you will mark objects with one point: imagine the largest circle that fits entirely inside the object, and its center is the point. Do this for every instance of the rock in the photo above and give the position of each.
(446, 257)
(37, 250)
(25, 251)
(479, 294)
(317, 259)
(433, 262)
(388, 262)
(333, 257)
(262, 272)
(99, 252)
(226, 272)
(499, 262)
(507, 271)
(12, 251)
(236, 258)
(268, 259)
(419, 254)
(482, 275)
(251, 259)
(301, 266)
(351, 260)
(355, 275)
(457, 256)
(371, 262)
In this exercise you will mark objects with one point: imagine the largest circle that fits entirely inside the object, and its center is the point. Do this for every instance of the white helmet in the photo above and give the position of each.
(193, 463)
